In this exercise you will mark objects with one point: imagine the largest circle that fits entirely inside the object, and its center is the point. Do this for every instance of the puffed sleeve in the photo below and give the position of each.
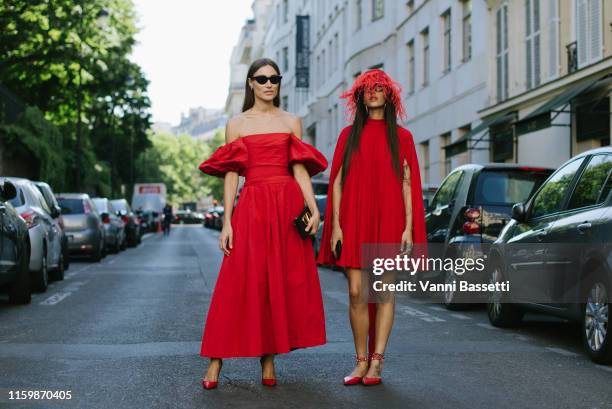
(231, 157)
(300, 151)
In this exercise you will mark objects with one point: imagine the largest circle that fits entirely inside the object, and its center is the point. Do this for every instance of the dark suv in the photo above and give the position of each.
(557, 252)
(467, 213)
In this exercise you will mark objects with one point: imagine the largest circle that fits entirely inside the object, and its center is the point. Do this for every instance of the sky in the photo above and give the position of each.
(184, 48)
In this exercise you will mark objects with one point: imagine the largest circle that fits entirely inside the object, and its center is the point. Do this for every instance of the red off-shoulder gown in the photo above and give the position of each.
(267, 299)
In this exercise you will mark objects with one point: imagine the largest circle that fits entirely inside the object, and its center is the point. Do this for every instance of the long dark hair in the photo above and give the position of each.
(249, 94)
(352, 142)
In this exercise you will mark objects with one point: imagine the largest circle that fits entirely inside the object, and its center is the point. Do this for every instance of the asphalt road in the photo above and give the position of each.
(125, 333)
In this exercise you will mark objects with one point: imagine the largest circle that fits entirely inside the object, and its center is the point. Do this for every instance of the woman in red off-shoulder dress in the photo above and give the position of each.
(267, 299)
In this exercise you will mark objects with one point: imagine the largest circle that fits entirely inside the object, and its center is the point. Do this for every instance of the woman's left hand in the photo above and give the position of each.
(406, 243)
(313, 223)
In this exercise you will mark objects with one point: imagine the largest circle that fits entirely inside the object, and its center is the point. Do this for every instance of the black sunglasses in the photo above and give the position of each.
(262, 79)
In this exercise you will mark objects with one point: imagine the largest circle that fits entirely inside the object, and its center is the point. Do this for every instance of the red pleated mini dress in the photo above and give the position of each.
(372, 208)
(267, 299)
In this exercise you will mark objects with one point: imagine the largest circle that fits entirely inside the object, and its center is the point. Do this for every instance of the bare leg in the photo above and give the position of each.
(385, 314)
(267, 366)
(214, 367)
(358, 314)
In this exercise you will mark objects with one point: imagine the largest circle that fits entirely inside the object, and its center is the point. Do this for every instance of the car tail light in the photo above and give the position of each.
(106, 219)
(471, 226)
(31, 218)
(125, 219)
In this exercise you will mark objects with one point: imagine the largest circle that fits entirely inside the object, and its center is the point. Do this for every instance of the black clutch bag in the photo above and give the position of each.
(301, 221)
(338, 249)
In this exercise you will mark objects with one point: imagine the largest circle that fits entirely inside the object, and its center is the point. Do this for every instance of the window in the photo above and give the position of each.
(378, 9)
(501, 59)
(285, 102)
(592, 188)
(410, 6)
(411, 66)
(285, 59)
(549, 198)
(358, 15)
(506, 187)
(502, 140)
(532, 42)
(447, 190)
(466, 30)
(425, 160)
(285, 11)
(425, 67)
(589, 31)
(446, 21)
(336, 52)
(445, 161)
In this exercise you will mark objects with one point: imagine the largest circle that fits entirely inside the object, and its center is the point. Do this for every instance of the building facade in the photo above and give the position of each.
(483, 80)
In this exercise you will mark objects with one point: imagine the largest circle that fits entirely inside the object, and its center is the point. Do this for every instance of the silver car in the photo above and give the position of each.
(83, 225)
(45, 238)
(113, 225)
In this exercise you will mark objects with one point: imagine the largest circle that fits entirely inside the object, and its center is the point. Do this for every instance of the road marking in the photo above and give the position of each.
(487, 326)
(563, 352)
(523, 338)
(57, 297)
(436, 308)
(54, 299)
(419, 314)
(461, 316)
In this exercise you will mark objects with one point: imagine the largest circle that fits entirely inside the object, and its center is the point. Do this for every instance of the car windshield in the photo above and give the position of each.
(506, 187)
(71, 206)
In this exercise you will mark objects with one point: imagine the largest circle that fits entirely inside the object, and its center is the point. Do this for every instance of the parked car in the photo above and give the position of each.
(51, 200)
(187, 217)
(208, 217)
(45, 238)
(217, 217)
(429, 190)
(132, 224)
(83, 225)
(557, 252)
(15, 249)
(145, 218)
(114, 227)
(470, 209)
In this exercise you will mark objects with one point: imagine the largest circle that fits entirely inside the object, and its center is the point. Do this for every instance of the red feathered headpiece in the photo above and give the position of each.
(367, 82)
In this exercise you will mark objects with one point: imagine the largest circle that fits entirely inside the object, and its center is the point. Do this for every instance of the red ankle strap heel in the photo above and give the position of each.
(374, 381)
(354, 380)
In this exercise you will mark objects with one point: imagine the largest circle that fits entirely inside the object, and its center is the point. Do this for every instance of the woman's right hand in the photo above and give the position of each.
(226, 239)
(335, 237)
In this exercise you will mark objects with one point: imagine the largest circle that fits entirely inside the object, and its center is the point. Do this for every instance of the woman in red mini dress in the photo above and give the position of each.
(374, 197)
(267, 299)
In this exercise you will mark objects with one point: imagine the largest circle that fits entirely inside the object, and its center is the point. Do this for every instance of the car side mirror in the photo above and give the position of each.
(8, 191)
(56, 211)
(519, 212)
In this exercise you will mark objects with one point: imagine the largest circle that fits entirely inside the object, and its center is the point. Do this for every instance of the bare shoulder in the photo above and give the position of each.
(233, 127)
(294, 122)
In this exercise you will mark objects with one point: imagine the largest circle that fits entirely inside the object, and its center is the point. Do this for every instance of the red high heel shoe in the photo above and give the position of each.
(266, 381)
(354, 380)
(212, 384)
(374, 381)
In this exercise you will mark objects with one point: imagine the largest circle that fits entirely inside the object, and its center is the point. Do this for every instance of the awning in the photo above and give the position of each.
(460, 145)
(541, 118)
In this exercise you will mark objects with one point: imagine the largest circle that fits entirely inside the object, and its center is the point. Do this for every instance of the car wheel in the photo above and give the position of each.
(595, 322)
(19, 291)
(450, 297)
(501, 313)
(58, 272)
(42, 277)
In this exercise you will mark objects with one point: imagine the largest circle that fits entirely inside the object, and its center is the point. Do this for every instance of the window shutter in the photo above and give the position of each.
(595, 30)
(553, 39)
(581, 32)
